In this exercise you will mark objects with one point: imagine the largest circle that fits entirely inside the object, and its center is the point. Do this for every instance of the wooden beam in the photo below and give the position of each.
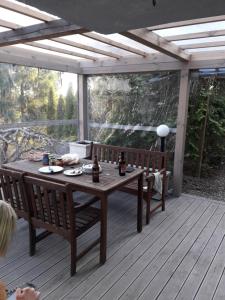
(26, 10)
(188, 22)
(8, 25)
(105, 40)
(85, 47)
(83, 107)
(154, 41)
(181, 131)
(60, 50)
(196, 35)
(20, 56)
(43, 17)
(65, 42)
(39, 32)
(203, 45)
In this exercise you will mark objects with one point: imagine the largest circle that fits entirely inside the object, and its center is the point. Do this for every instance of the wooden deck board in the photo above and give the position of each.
(179, 255)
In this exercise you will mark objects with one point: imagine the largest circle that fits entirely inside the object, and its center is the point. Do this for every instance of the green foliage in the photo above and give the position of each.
(51, 111)
(132, 99)
(60, 114)
(206, 109)
(70, 112)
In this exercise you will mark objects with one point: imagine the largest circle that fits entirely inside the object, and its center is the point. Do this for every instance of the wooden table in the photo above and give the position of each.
(109, 181)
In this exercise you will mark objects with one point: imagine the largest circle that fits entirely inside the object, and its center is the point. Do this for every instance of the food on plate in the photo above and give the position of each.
(70, 159)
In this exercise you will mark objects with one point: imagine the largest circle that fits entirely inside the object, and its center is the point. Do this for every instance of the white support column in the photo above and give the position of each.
(181, 131)
(83, 111)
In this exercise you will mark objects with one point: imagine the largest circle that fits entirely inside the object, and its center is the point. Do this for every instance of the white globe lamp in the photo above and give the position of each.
(162, 131)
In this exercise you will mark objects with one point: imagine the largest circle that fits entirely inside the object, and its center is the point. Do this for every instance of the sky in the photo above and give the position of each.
(68, 78)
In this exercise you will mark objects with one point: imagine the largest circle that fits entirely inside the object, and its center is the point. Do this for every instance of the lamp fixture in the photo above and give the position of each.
(154, 2)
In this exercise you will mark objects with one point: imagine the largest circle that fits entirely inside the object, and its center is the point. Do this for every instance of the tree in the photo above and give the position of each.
(70, 111)
(60, 115)
(51, 110)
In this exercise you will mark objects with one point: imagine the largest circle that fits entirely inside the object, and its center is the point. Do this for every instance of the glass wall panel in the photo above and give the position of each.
(125, 109)
(205, 148)
(38, 110)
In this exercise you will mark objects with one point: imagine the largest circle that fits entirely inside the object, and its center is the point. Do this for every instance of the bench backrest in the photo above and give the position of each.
(142, 158)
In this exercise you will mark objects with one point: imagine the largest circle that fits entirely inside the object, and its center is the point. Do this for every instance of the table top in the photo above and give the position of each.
(109, 178)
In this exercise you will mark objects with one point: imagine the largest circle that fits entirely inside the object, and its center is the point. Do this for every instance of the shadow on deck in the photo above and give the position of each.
(179, 255)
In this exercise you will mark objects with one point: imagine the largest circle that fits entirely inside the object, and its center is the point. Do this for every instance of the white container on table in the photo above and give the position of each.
(82, 149)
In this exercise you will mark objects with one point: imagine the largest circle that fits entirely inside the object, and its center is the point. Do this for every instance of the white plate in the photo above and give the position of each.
(50, 169)
(74, 172)
(88, 168)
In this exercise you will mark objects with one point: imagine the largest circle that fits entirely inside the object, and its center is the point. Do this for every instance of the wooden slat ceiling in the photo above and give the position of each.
(56, 36)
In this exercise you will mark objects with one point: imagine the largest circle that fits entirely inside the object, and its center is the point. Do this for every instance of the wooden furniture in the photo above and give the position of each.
(109, 182)
(14, 192)
(53, 208)
(149, 161)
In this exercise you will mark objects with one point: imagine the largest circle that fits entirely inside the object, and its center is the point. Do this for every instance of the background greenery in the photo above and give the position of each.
(205, 143)
(32, 95)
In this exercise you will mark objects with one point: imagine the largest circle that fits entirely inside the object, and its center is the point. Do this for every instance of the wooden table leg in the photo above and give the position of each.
(140, 203)
(103, 239)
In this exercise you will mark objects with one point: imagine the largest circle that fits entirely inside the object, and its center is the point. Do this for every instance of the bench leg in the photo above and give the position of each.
(147, 211)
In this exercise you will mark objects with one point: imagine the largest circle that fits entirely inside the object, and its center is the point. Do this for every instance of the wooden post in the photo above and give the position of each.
(83, 111)
(181, 131)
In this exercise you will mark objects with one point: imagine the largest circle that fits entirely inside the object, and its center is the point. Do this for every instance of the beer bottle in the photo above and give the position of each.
(122, 165)
(95, 170)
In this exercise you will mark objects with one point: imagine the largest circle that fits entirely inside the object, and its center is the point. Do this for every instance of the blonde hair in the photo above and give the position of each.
(7, 225)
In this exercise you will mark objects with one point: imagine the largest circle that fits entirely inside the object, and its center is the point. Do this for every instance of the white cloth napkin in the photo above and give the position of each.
(158, 182)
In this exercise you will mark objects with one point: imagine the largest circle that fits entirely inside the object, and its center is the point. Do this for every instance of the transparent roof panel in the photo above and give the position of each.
(69, 48)
(201, 40)
(191, 29)
(3, 29)
(124, 40)
(17, 18)
(100, 45)
(27, 47)
(212, 49)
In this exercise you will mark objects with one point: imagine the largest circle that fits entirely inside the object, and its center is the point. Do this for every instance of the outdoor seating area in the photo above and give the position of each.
(112, 153)
(173, 258)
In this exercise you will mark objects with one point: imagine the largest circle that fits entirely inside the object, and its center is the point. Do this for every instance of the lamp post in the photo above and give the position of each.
(162, 131)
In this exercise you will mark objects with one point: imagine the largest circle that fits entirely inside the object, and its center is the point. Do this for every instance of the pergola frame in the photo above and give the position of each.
(108, 56)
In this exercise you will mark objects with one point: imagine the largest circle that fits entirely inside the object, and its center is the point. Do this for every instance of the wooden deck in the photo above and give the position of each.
(179, 255)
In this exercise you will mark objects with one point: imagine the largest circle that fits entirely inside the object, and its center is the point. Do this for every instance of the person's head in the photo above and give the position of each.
(7, 225)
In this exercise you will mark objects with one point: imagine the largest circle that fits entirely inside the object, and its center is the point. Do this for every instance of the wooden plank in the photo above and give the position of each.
(86, 47)
(154, 41)
(196, 247)
(197, 276)
(96, 286)
(60, 50)
(203, 45)
(181, 131)
(83, 107)
(105, 40)
(196, 35)
(154, 288)
(116, 254)
(211, 280)
(32, 58)
(181, 274)
(92, 234)
(37, 32)
(26, 10)
(188, 22)
(145, 269)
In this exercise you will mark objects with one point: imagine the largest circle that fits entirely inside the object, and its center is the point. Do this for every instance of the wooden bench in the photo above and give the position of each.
(150, 161)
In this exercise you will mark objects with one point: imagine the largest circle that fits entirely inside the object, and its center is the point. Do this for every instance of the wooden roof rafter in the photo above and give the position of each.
(43, 17)
(196, 35)
(47, 18)
(40, 31)
(154, 41)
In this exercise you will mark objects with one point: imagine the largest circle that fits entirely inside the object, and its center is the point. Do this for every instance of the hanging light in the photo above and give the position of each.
(154, 2)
